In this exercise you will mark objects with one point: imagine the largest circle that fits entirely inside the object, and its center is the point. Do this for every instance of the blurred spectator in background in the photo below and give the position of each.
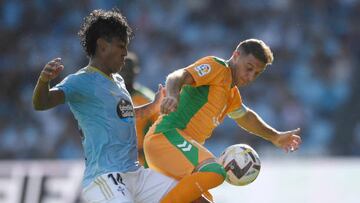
(316, 44)
(140, 95)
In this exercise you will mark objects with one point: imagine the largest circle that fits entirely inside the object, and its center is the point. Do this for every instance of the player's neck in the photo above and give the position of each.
(100, 66)
(232, 69)
(130, 87)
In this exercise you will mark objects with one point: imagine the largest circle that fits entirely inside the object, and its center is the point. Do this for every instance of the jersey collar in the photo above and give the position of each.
(99, 71)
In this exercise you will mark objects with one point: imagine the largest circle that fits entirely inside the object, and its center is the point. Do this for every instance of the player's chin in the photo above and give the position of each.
(242, 84)
(245, 82)
(119, 67)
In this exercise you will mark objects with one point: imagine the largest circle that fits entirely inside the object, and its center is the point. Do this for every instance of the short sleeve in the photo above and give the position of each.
(72, 88)
(205, 71)
(237, 109)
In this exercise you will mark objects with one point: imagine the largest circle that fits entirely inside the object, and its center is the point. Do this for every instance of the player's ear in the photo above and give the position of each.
(236, 54)
(101, 44)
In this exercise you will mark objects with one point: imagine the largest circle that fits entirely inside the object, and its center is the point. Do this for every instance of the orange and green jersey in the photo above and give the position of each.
(204, 104)
(142, 95)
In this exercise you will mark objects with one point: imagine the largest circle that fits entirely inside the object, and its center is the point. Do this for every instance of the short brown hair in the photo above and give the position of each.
(258, 49)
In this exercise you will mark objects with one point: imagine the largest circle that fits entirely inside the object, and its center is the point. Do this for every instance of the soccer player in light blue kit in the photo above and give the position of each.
(103, 109)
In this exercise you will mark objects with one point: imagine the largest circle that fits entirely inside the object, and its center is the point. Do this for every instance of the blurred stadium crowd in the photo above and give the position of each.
(312, 84)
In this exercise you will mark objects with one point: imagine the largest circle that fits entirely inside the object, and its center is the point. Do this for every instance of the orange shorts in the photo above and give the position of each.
(173, 153)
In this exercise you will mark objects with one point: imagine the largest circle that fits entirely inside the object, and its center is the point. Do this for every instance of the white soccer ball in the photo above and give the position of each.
(241, 163)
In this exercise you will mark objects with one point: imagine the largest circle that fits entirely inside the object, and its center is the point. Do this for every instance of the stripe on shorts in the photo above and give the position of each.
(190, 151)
(107, 186)
(104, 187)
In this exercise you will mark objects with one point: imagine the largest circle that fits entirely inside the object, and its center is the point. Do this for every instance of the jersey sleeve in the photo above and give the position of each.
(237, 109)
(72, 88)
(204, 71)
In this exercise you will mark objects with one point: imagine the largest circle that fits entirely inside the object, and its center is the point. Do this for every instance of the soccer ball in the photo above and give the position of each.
(241, 163)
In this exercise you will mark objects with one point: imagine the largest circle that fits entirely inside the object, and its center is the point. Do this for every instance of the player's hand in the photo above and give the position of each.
(159, 96)
(51, 70)
(289, 140)
(168, 104)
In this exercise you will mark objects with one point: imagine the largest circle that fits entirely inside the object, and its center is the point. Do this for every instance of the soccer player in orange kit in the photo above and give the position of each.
(198, 98)
(140, 95)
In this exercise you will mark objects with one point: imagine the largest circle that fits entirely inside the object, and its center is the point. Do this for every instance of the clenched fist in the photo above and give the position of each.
(51, 70)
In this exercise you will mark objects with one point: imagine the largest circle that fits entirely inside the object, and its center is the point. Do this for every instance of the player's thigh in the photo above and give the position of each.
(174, 154)
(203, 153)
(104, 190)
(154, 186)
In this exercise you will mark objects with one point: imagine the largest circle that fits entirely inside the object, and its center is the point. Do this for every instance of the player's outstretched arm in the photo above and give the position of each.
(43, 98)
(174, 83)
(147, 111)
(288, 140)
(252, 122)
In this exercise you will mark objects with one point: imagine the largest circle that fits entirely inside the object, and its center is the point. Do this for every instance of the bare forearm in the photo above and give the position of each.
(174, 82)
(41, 95)
(252, 123)
(146, 111)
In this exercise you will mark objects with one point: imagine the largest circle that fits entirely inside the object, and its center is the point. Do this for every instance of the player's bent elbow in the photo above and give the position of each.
(39, 107)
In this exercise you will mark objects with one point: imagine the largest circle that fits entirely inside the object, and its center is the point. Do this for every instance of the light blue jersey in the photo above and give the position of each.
(104, 111)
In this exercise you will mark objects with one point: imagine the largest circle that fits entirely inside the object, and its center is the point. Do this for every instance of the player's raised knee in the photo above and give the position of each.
(215, 168)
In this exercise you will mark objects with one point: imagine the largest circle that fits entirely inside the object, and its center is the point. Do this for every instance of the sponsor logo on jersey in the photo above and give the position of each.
(125, 109)
(203, 69)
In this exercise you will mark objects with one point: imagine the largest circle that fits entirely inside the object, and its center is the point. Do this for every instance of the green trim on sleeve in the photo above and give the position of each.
(221, 61)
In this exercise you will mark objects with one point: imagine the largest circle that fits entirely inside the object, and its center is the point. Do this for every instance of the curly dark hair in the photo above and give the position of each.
(103, 24)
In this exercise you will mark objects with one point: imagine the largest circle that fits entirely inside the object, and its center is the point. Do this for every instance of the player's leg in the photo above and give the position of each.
(107, 189)
(142, 127)
(142, 158)
(206, 197)
(191, 187)
(171, 154)
(151, 186)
